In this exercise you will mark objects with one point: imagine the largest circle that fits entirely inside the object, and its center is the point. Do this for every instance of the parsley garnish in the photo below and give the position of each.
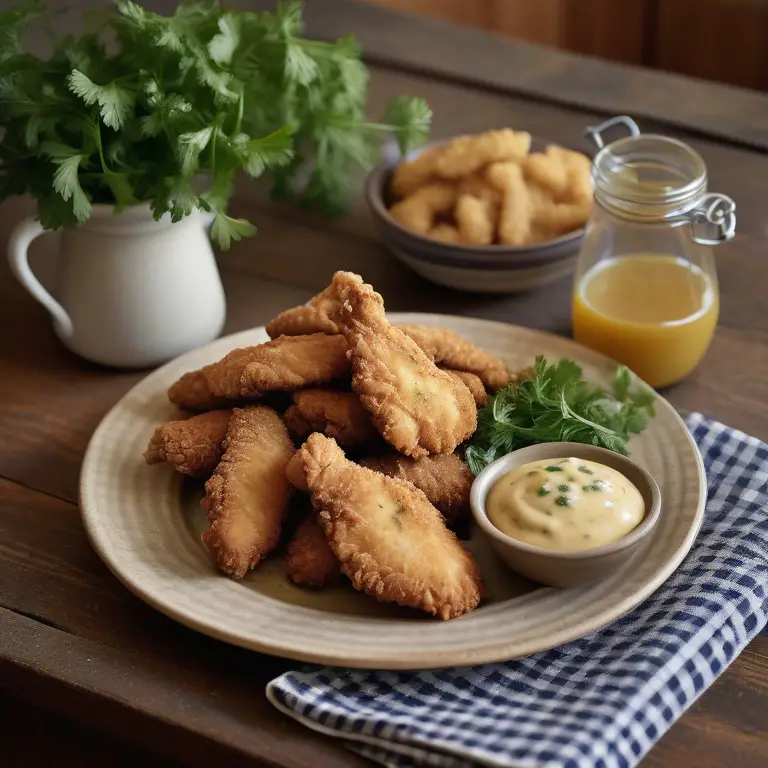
(177, 106)
(556, 404)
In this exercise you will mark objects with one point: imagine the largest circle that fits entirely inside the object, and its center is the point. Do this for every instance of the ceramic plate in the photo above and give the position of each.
(145, 523)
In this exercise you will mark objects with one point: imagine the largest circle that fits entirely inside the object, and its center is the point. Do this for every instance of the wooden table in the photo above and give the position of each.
(75, 642)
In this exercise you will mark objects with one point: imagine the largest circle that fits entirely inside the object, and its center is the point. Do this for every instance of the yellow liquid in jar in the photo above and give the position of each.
(655, 314)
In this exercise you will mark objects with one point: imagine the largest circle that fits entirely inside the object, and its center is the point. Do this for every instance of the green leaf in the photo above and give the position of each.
(223, 45)
(165, 110)
(299, 65)
(557, 404)
(190, 145)
(177, 197)
(115, 101)
(13, 25)
(410, 119)
(65, 179)
(121, 188)
(225, 229)
(272, 151)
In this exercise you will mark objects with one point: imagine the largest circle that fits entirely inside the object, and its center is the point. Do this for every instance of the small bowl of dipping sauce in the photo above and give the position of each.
(565, 514)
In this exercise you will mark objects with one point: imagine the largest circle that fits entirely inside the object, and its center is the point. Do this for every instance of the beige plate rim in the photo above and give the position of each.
(100, 515)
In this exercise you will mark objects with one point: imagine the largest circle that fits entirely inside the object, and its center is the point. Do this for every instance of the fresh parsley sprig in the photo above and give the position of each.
(556, 404)
(177, 106)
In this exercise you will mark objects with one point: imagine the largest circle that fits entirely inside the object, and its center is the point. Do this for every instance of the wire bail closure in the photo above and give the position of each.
(595, 132)
(714, 210)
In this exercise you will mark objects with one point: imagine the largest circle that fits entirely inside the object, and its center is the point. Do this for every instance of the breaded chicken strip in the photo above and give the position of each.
(310, 562)
(247, 496)
(192, 446)
(316, 316)
(445, 480)
(295, 473)
(191, 392)
(451, 350)
(391, 542)
(283, 364)
(417, 408)
(472, 383)
(339, 415)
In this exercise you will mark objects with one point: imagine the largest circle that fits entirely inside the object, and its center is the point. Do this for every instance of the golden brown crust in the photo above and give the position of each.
(445, 480)
(224, 377)
(192, 446)
(339, 415)
(310, 562)
(293, 362)
(473, 383)
(295, 473)
(316, 316)
(247, 495)
(453, 351)
(191, 392)
(391, 542)
(417, 408)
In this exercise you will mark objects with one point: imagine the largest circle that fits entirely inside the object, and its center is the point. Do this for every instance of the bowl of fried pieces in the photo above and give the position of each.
(496, 212)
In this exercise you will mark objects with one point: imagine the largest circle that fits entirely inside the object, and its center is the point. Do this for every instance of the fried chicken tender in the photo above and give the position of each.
(192, 446)
(548, 170)
(391, 542)
(337, 414)
(295, 473)
(475, 219)
(283, 364)
(445, 480)
(418, 212)
(564, 217)
(310, 562)
(473, 383)
(417, 408)
(316, 316)
(477, 186)
(451, 350)
(445, 233)
(515, 212)
(247, 496)
(467, 154)
(410, 175)
(579, 169)
(192, 393)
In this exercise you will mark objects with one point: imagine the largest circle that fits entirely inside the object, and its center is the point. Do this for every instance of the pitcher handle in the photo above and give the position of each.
(18, 246)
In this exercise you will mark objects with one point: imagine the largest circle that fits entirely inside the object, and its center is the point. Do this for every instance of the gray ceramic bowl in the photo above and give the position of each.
(565, 569)
(475, 268)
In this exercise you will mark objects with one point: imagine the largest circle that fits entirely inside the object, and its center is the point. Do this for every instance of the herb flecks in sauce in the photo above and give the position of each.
(526, 505)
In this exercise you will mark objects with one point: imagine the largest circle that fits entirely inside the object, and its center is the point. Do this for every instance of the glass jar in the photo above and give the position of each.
(645, 290)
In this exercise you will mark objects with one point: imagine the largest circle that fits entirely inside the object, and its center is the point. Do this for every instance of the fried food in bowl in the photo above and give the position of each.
(496, 212)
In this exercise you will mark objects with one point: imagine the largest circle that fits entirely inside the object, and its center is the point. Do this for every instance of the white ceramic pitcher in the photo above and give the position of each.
(130, 291)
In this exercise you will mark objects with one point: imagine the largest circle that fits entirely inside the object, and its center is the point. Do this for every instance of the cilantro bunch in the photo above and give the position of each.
(556, 404)
(167, 110)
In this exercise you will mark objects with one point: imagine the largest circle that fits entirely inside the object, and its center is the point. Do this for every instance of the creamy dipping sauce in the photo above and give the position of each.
(565, 504)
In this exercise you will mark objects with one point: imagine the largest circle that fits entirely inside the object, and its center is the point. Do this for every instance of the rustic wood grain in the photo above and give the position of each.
(66, 617)
(474, 57)
(32, 735)
(715, 39)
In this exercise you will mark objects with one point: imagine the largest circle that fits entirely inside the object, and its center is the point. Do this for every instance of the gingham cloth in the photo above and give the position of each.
(603, 700)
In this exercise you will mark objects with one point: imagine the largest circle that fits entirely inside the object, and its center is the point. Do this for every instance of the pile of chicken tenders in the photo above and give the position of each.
(491, 189)
(357, 416)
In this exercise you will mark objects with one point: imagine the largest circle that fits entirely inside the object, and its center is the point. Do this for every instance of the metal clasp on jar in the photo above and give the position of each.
(595, 132)
(713, 220)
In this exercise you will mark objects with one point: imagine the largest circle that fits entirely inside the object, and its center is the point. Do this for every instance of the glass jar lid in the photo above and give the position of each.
(654, 178)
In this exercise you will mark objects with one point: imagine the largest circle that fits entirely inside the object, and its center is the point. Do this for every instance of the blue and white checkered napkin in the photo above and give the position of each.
(603, 700)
